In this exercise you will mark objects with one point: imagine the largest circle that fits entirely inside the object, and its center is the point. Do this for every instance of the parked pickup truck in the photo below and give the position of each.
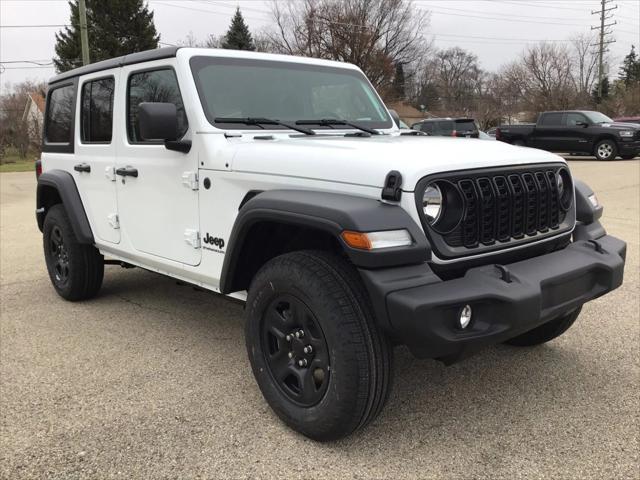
(591, 133)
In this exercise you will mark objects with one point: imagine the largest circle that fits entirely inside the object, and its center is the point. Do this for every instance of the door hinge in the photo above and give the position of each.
(190, 179)
(110, 173)
(192, 237)
(114, 220)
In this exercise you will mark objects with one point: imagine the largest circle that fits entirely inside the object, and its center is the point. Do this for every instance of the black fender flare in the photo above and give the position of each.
(332, 213)
(65, 186)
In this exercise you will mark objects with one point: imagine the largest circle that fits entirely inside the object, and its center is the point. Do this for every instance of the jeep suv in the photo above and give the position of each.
(284, 182)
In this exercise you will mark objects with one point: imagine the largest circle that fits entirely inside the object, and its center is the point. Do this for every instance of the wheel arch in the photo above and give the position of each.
(59, 187)
(603, 136)
(280, 221)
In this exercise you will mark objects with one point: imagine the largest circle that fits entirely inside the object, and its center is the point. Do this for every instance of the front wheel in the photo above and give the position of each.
(606, 150)
(546, 332)
(316, 353)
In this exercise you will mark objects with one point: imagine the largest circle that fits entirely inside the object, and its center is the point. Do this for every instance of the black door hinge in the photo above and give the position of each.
(392, 184)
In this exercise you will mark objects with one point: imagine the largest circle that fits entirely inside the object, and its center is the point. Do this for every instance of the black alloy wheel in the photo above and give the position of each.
(60, 257)
(295, 350)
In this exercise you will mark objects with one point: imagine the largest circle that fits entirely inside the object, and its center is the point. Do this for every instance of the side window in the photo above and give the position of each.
(552, 119)
(153, 86)
(97, 111)
(427, 127)
(573, 118)
(59, 119)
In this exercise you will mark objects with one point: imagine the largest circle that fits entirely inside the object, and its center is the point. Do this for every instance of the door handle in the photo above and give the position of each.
(82, 167)
(127, 171)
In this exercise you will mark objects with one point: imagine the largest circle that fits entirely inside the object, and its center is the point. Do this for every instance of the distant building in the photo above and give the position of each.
(33, 117)
(407, 113)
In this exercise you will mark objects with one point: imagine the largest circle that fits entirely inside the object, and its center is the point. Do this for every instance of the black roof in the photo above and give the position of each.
(138, 57)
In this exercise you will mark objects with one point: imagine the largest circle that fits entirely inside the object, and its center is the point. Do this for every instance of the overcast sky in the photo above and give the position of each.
(495, 30)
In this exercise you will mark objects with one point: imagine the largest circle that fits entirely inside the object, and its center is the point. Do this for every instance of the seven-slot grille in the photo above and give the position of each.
(507, 205)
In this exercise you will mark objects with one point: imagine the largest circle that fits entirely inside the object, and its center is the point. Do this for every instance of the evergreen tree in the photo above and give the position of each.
(115, 28)
(605, 90)
(630, 68)
(238, 36)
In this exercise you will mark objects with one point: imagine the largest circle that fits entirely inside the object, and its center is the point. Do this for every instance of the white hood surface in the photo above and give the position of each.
(366, 161)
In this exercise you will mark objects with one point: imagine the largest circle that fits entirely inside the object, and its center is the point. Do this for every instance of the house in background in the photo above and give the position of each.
(33, 117)
(407, 113)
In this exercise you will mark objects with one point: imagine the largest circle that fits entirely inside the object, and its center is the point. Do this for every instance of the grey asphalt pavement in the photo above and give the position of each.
(151, 380)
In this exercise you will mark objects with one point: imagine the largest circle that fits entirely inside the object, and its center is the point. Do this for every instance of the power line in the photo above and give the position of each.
(34, 26)
(508, 15)
(509, 19)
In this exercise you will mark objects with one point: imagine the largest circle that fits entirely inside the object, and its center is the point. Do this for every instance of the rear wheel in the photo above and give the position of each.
(316, 353)
(606, 150)
(547, 331)
(76, 270)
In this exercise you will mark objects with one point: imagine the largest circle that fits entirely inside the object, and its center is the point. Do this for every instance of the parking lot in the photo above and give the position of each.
(151, 380)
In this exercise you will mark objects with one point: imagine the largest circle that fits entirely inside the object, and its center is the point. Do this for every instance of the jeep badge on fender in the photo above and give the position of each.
(473, 243)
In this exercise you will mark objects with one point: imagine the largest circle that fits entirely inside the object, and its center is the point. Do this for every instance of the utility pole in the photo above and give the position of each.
(84, 36)
(604, 16)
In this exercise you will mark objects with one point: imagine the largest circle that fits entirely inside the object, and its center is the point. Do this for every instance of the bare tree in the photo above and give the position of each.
(376, 35)
(585, 61)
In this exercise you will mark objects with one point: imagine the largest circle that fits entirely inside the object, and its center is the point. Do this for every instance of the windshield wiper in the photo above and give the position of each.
(258, 121)
(331, 122)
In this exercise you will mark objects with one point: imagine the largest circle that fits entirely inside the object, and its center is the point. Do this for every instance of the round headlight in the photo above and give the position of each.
(560, 182)
(565, 188)
(432, 203)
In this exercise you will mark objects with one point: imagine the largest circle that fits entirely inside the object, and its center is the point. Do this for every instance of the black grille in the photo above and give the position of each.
(506, 206)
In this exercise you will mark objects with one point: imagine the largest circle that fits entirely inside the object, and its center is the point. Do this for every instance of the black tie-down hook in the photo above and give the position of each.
(505, 274)
(597, 245)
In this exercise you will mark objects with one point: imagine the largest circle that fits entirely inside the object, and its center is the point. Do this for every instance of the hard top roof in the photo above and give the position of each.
(138, 57)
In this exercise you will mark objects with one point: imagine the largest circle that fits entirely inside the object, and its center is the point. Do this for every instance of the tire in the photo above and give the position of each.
(547, 331)
(348, 376)
(628, 157)
(76, 270)
(605, 150)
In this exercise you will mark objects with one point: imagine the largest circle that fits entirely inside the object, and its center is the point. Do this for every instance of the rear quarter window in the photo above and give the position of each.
(60, 115)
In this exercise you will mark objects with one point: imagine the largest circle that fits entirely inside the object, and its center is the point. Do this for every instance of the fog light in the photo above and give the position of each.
(465, 316)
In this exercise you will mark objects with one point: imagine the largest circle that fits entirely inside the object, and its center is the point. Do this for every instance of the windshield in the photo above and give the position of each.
(597, 117)
(286, 91)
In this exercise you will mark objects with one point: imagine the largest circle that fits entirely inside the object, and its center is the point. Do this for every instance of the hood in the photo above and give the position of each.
(366, 161)
(621, 125)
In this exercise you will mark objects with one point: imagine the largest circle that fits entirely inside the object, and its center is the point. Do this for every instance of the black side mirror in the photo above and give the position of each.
(395, 117)
(158, 121)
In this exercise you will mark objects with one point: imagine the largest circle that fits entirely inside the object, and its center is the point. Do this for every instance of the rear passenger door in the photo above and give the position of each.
(158, 206)
(95, 154)
(548, 132)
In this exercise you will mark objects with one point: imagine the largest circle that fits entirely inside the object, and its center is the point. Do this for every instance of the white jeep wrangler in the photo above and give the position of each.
(285, 182)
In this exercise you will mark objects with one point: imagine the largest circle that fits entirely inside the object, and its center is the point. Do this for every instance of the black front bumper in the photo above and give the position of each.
(629, 147)
(422, 311)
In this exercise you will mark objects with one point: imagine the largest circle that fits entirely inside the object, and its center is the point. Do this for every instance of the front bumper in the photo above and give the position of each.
(629, 147)
(425, 316)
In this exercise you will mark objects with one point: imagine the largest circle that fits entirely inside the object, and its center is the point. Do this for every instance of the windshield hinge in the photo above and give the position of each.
(392, 184)
(190, 179)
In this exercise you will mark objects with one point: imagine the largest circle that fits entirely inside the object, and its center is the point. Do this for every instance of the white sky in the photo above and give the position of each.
(495, 30)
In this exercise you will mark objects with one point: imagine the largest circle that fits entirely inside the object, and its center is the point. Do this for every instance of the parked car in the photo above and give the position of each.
(590, 133)
(283, 182)
(635, 120)
(448, 127)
